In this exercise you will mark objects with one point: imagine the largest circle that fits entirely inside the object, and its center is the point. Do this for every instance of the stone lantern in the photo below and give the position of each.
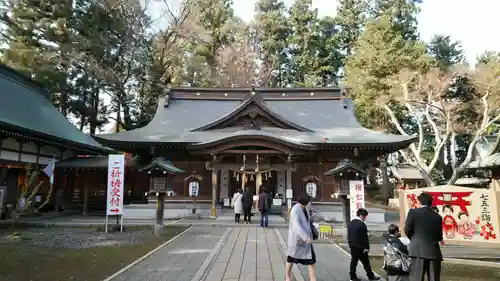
(161, 173)
(344, 172)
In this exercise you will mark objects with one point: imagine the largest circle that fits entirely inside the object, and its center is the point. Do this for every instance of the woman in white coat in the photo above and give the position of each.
(300, 235)
(237, 204)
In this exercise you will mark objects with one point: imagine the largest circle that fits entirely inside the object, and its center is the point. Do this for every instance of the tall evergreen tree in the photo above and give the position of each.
(303, 43)
(270, 39)
(401, 13)
(380, 53)
(350, 19)
(445, 51)
(38, 39)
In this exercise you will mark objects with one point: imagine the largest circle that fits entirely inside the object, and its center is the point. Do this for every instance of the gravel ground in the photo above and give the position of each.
(74, 238)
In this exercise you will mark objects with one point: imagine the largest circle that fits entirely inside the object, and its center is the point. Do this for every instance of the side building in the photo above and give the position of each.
(33, 131)
(241, 138)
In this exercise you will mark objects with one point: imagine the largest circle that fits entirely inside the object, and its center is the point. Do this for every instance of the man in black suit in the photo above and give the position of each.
(357, 238)
(424, 229)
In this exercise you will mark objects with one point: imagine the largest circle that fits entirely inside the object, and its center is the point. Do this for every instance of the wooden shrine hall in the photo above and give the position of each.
(250, 138)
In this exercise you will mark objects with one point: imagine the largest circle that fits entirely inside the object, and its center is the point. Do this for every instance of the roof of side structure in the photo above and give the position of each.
(24, 107)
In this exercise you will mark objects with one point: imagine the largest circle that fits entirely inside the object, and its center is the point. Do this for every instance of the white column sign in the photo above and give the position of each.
(114, 197)
(357, 196)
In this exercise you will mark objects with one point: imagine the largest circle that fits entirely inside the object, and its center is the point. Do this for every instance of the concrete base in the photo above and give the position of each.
(159, 229)
(331, 212)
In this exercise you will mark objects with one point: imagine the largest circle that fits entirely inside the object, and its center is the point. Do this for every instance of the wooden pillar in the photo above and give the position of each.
(85, 198)
(213, 210)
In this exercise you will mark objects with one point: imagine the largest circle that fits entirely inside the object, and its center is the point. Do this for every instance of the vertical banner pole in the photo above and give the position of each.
(106, 225)
(121, 223)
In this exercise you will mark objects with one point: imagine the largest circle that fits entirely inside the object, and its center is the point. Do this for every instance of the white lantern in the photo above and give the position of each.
(311, 189)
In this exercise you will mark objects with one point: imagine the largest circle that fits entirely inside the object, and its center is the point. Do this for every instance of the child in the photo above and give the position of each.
(396, 259)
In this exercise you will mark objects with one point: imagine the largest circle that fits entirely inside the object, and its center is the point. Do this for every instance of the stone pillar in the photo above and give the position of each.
(385, 180)
(289, 190)
(213, 210)
(160, 213)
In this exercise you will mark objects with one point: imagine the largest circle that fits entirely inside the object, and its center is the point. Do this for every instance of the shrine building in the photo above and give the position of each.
(298, 139)
(33, 131)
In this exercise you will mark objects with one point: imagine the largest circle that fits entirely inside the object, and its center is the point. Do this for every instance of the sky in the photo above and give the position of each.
(472, 22)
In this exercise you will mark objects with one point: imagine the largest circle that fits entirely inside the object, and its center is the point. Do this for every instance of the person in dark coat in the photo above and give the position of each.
(359, 244)
(247, 206)
(265, 202)
(424, 229)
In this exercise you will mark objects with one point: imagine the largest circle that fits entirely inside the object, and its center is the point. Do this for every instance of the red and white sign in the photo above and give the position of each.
(357, 196)
(114, 197)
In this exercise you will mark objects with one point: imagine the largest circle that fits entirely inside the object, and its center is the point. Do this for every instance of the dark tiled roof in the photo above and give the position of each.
(99, 162)
(24, 107)
(163, 165)
(330, 120)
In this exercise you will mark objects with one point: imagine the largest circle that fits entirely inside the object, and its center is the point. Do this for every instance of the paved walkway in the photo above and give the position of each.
(233, 254)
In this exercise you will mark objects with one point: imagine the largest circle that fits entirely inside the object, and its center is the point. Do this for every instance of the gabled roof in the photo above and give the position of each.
(25, 109)
(315, 115)
(162, 165)
(256, 99)
(346, 167)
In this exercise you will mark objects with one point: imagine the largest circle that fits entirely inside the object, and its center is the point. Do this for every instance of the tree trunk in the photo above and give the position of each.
(94, 111)
(385, 182)
(427, 177)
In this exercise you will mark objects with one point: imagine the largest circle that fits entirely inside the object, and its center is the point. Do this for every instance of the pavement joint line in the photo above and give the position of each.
(146, 255)
(295, 270)
(213, 254)
(335, 245)
(269, 255)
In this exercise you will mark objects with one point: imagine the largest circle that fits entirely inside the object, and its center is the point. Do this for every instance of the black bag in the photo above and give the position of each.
(314, 231)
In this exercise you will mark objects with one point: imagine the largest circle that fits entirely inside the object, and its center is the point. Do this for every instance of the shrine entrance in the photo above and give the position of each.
(268, 181)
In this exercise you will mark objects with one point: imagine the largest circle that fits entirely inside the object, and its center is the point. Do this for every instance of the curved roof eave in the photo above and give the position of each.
(253, 136)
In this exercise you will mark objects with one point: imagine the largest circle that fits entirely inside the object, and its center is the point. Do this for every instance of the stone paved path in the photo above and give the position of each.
(233, 254)
(249, 254)
(178, 261)
(332, 264)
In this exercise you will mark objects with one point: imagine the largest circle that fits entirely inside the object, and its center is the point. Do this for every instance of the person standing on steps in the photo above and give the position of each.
(301, 233)
(247, 206)
(424, 228)
(237, 204)
(265, 202)
(359, 244)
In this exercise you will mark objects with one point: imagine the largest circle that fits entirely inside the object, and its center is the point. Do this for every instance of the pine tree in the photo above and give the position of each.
(380, 53)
